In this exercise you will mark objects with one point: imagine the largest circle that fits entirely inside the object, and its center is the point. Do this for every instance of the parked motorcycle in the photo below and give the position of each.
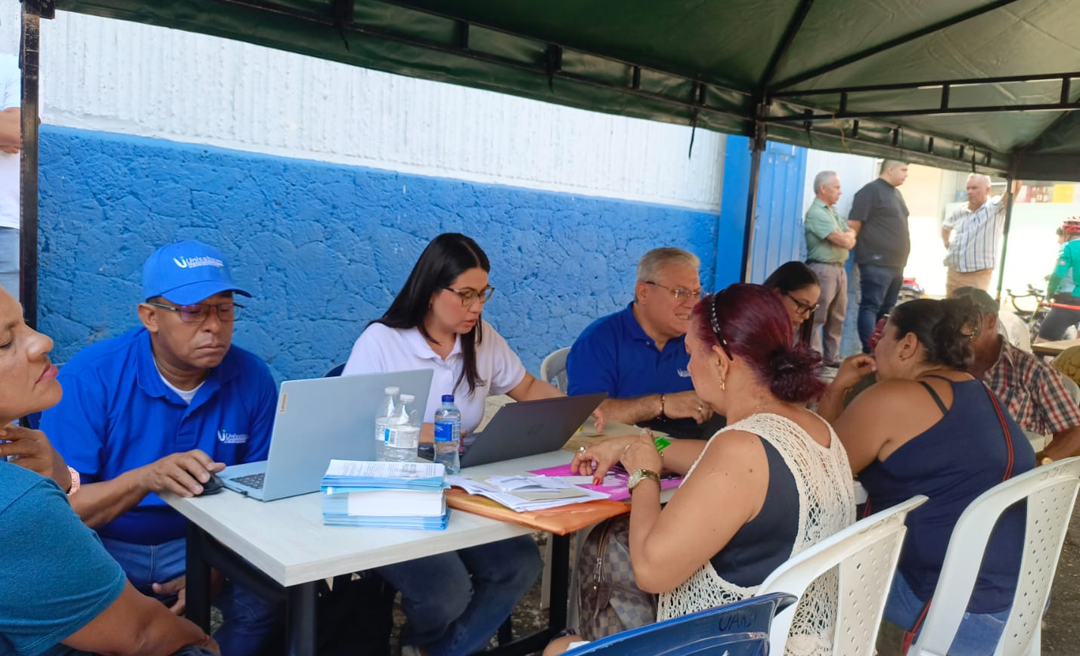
(909, 291)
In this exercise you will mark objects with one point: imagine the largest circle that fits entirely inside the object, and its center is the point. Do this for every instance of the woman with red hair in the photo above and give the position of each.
(775, 481)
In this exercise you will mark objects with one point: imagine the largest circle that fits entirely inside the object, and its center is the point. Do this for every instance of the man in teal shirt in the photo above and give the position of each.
(828, 242)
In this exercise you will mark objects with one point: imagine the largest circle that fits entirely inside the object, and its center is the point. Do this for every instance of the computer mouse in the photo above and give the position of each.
(212, 486)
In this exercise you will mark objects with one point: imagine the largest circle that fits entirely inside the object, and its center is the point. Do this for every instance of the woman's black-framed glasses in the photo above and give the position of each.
(469, 295)
(802, 308)
(198, 313)
(715, 321)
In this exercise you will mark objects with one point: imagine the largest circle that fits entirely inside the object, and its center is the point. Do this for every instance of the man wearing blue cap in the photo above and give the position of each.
(161, 408)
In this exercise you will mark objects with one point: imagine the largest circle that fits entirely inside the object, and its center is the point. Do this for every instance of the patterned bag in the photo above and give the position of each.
(610, 601)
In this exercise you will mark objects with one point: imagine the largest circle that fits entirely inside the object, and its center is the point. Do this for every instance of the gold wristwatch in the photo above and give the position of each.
(641, 475)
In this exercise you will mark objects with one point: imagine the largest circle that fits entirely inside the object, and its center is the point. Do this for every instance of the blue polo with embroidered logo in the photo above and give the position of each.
(117, 415)
(615, 355)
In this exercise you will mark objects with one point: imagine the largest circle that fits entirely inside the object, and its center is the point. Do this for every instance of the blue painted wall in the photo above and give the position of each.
(778, 230)
(324, 248)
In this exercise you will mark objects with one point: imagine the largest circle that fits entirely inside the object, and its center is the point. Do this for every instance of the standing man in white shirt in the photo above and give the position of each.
(10, 144)
(971, 235)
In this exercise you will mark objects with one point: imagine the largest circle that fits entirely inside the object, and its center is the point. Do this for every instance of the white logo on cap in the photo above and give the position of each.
(193, 262)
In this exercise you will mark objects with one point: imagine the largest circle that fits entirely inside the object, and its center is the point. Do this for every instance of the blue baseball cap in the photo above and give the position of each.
(186, 273)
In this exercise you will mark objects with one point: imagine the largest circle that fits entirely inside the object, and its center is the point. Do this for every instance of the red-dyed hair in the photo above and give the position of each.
(749, 322)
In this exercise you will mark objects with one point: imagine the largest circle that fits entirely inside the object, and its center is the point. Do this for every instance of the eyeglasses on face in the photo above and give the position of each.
(803, 308)
(679, 293)
(469, 295)
(198, 313)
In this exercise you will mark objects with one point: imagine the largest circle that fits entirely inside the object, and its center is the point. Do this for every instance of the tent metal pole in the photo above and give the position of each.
(1009, 200)
(32, 11)
(757, 146)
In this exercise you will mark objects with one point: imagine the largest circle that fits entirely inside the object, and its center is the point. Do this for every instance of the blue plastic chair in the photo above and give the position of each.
(739, 629)
(335, 371)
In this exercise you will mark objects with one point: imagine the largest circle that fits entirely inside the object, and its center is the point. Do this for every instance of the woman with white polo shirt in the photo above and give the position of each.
(456, 601)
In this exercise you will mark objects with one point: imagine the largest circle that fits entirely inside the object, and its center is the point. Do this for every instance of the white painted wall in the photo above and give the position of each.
(854, 172)
(115, 76)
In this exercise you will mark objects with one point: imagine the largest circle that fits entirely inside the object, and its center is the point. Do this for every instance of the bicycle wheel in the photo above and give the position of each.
(1036, 321)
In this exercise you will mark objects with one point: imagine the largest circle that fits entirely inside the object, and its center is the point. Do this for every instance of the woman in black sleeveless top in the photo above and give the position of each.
(930, 428)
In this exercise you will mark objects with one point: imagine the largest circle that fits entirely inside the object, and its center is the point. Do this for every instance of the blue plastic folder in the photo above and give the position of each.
(385, 495)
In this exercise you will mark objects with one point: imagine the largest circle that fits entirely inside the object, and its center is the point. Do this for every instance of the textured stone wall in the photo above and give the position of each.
(324, 247)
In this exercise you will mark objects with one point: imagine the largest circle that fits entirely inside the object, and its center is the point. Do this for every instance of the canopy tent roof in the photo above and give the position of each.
(963, 84)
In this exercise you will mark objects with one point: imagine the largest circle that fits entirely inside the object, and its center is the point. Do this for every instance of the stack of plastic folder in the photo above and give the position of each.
(385, 495)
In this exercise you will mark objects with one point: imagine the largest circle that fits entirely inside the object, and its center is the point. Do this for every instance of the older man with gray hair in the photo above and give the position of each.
(828, 242)
(971, 235)
(638, 354)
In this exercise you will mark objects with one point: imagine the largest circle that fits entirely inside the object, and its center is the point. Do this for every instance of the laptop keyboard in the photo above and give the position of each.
(251, 480)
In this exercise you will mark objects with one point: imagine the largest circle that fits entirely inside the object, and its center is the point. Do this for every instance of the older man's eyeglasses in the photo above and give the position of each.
(679, 293)
(198, 313)
(803, 308)
(469, 296)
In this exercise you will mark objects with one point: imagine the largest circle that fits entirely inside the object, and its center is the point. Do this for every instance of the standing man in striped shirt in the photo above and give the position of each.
(971, 235)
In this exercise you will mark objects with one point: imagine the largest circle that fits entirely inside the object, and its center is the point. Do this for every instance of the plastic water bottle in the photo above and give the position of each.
(386, 414)
(448, 435)
(402, 436)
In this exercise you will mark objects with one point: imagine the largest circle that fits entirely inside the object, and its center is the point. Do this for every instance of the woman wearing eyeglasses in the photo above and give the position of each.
(800, 290)
(772, 483)
(456, 601)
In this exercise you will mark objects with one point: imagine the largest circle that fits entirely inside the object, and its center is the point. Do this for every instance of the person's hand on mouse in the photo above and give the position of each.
(183, 474)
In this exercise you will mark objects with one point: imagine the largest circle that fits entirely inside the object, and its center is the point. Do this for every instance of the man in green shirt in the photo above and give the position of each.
(828, 242)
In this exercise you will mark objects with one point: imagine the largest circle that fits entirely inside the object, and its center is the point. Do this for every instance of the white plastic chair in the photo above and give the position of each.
(1050, 491)
(554, 368)
(865, 554)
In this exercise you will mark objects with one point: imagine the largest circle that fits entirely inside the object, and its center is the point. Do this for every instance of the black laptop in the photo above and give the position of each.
(527, 428)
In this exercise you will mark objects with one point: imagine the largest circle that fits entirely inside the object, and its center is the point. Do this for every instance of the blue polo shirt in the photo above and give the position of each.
(614, 355)
(117, 415)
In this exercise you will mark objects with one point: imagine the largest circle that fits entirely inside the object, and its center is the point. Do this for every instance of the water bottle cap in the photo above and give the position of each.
(407, 398)
(447, 398)
(392, 391)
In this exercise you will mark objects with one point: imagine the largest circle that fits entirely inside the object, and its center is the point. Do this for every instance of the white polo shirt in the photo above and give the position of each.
(381, 350)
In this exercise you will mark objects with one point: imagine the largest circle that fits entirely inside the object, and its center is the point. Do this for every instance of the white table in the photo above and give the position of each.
(287, 546)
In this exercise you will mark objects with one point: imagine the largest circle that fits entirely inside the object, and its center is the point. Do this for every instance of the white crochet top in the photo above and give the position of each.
(827, 504)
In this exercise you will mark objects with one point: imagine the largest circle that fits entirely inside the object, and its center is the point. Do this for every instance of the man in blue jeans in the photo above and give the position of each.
(879, 218)
(161, 408)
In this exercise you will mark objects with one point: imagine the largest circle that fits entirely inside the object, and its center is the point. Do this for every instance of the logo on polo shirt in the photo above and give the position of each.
(225, 437)
(194, 262)
(683, 373)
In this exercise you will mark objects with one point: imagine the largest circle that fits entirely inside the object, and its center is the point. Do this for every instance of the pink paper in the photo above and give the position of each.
(614, 483)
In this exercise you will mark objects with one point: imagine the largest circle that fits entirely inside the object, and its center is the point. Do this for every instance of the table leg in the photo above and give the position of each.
(301, 611)
(198, 578)
(560, 582)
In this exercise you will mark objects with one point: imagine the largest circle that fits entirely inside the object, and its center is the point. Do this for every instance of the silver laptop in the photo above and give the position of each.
(318, 420)
(528, 428)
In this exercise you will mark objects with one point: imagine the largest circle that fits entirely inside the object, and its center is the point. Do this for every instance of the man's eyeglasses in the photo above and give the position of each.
(803, 308)
(679, 293)
(469, 296)
(198, 313)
